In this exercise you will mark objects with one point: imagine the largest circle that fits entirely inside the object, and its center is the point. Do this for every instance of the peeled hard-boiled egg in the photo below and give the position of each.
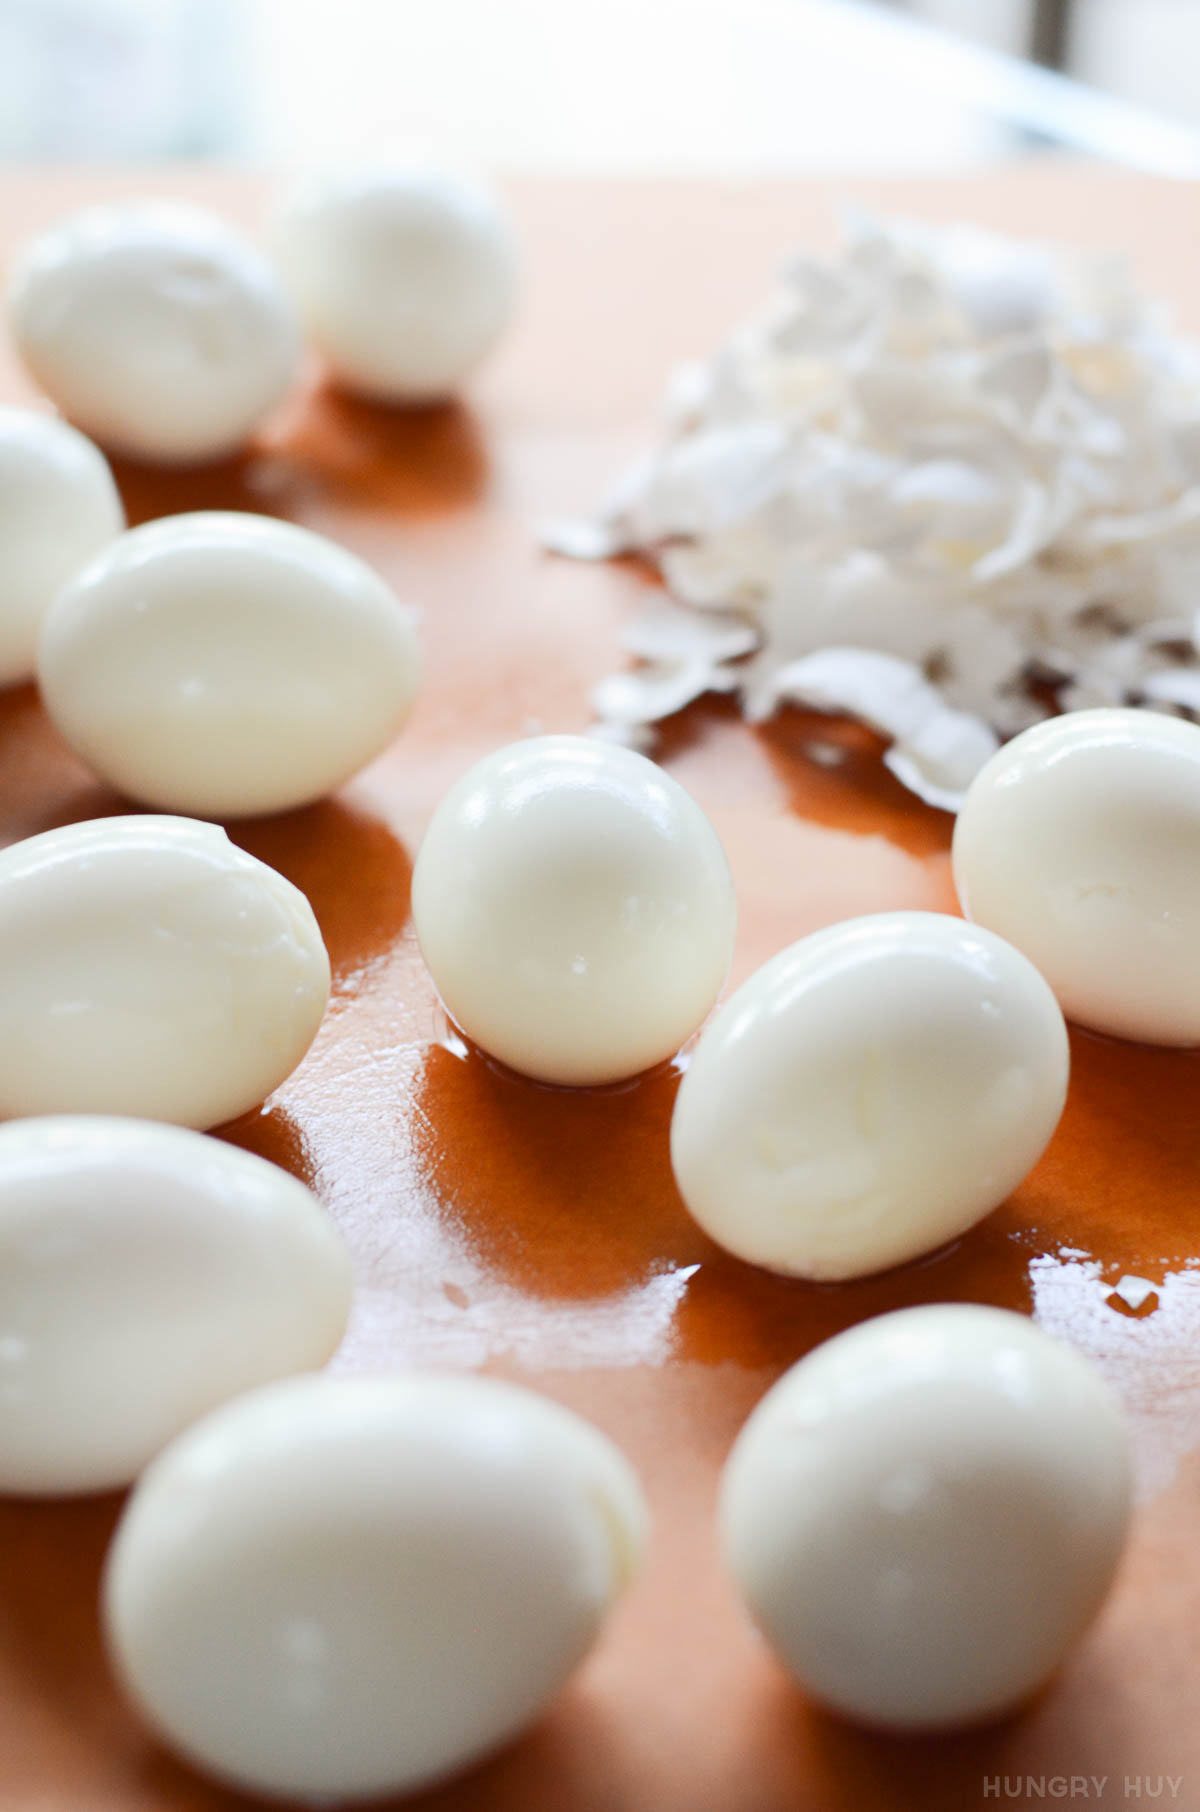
(869, 1094)
(58, 507)
(575, 908)
(146, 1275)
(926, 1513)
(1080, 843)
(156, 328)
(405, 277)
(343, 1587)
(223, 664)
(149, 967)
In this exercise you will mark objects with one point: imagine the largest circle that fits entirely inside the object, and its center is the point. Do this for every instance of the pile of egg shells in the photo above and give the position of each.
(338, 1587)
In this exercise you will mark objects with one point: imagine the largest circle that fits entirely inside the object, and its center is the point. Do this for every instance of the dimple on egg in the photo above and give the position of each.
(58, 507)
(158, 329)
(926, 1512)
(224, 664)
(147, 1273)
(1080, 843)
(149, 967)
(575, 908)
(869, 1094)
(344, 1587)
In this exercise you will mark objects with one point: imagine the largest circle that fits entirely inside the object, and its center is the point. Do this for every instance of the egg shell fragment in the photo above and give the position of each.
(149, 967)
(147, 1273)
(341, 1587)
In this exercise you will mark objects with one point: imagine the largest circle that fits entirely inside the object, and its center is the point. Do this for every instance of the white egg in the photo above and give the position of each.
(157, 329)
(58, 507)
(1080, 843)
(404, 276)
(869, 1094)
(149, 967)
(926, 1513)
(343, 1587)
(575, 908)
(223, 664)
(146, 1275)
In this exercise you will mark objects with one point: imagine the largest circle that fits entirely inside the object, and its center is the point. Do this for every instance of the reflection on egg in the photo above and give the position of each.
(926, 1513)
(156, 328)
(58, 507)
(1080, 843)
(869, 1094)
(405, 276)
(575, 908)
(224, 664)
(352, 1586)
(149, 967)
(146, 1275)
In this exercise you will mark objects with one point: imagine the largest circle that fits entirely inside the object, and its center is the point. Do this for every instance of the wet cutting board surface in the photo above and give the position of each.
(537, 1232)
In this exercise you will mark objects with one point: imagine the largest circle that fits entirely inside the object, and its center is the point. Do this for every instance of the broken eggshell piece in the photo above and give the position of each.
(964, 469)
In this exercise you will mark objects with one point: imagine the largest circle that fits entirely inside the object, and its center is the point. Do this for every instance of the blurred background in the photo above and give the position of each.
(606, 86)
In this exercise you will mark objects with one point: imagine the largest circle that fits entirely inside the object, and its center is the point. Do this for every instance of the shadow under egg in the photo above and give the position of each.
(734, 1311)
(1121, 1170)
(271, 1132)
(51, 1558)
(255, 482)
(42, 784)
(1076, 1724)
(564, 1193)
(569, 1195)
(406, 459)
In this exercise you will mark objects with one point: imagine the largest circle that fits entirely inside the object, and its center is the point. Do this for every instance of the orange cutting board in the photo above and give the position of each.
(538, 1233)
